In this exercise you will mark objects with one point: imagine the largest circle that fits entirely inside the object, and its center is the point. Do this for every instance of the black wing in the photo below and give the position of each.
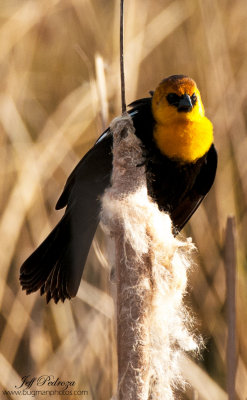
(186, 208)
(56, 266)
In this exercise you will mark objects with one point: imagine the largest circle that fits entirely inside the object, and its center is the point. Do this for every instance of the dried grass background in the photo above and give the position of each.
(59, 88)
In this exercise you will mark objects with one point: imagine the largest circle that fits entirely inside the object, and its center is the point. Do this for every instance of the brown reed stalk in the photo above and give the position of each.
(230, 268)
(146, 273)
(132, 273)
(151, 272)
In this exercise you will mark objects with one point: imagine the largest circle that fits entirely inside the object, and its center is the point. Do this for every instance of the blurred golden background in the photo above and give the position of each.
(59, 88)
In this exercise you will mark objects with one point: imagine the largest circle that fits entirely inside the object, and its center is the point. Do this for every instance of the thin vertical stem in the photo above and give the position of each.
(230, 267)
(122, 57)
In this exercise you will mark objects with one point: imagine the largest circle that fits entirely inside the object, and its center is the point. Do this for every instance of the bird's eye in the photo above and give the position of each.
(193, 99)
(173, 99)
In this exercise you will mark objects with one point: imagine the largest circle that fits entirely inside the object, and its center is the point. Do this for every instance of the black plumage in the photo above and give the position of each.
(56, 266)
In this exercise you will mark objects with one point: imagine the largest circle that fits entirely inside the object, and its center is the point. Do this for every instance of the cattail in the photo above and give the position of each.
(151, 275)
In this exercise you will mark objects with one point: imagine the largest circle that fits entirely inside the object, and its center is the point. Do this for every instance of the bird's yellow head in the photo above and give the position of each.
(182, 131)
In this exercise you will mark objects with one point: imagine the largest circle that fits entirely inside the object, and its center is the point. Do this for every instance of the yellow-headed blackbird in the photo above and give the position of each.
(180, 161)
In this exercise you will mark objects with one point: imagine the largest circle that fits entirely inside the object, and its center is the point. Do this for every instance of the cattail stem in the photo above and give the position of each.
(151, 272)
(132, 272)
(133, 338)
(230, 268)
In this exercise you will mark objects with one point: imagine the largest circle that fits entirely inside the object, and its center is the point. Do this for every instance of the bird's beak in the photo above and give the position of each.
(185, 104)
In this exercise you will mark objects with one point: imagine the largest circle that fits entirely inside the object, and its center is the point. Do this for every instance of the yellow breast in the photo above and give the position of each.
(185, 140)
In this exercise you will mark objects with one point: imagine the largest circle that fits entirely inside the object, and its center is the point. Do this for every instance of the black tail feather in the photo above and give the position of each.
(43, 269)
(56, 266)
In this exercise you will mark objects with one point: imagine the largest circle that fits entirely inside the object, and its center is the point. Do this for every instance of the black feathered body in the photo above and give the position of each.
(56, 266)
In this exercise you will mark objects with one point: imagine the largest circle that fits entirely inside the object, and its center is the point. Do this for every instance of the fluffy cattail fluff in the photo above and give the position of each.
(151, 269)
